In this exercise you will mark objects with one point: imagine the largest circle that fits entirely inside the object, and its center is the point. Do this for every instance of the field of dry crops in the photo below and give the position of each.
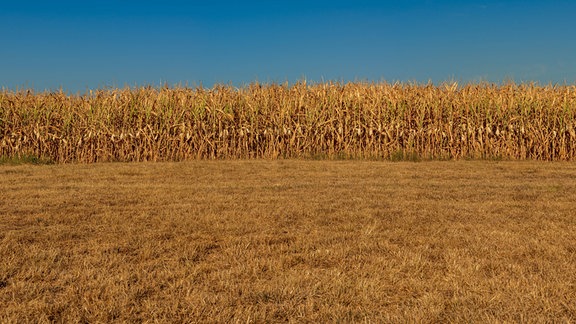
(327, 120)
(288, 241)
(267, 235)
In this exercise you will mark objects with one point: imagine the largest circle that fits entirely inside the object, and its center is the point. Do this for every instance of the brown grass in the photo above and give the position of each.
(288, 241)
(327, 120)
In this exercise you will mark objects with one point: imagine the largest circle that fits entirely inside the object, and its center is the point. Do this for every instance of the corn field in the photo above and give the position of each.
(325, 120)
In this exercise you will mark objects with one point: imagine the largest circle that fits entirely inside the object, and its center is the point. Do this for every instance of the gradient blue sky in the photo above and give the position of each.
(80, 45)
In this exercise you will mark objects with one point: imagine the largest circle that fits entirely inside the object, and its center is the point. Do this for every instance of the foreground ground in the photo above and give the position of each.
(297, 241)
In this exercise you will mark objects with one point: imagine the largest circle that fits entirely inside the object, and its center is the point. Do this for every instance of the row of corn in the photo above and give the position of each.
(327, 120)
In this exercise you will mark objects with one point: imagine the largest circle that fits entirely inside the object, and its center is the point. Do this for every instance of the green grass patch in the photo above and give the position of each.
(25, 159)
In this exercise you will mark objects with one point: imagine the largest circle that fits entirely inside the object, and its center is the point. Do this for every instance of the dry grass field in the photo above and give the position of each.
(288, 241)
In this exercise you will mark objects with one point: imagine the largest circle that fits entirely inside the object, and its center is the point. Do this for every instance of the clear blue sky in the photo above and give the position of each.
(80, 45)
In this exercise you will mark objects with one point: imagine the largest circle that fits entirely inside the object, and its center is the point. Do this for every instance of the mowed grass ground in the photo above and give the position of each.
(288, 241)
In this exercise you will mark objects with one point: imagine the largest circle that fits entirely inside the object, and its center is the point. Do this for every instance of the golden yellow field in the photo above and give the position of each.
(268, 234)
(288, 241)
(328, 120)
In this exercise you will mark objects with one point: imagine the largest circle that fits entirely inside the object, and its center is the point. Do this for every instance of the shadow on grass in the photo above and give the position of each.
(400, 155)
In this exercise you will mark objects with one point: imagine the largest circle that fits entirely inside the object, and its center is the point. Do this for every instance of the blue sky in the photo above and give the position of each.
(80, 45)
